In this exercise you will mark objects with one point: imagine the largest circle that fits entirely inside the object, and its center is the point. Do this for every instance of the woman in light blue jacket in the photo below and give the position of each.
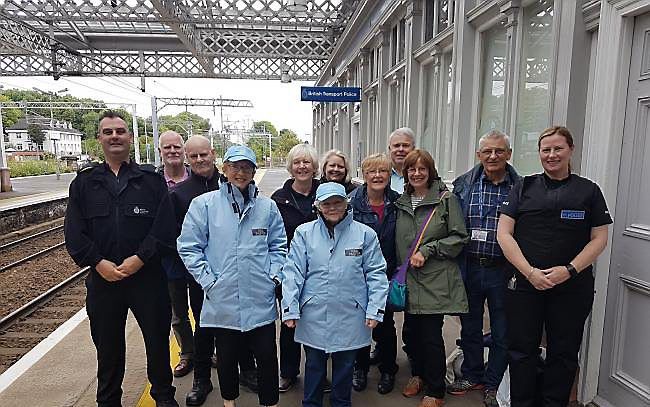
(234, 244)
(334, 293)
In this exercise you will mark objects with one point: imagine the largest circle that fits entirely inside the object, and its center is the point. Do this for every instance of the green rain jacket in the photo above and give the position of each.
(436, 287)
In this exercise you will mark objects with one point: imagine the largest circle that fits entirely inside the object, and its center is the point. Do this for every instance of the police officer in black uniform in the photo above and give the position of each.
(552, 228)
(119, 218)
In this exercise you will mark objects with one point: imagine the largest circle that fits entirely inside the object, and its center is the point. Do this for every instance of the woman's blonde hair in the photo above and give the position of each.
(375, 161)
(303, 150)
(339, 154)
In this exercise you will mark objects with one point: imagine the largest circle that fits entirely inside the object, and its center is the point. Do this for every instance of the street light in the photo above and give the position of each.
(52, 139)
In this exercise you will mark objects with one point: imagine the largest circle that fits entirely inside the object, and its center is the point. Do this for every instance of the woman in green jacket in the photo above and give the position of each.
(435, 287)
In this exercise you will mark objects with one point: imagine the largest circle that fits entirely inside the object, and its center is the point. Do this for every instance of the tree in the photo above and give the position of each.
(36, 134)
(286, 140)
(183, 122)
(11, 115)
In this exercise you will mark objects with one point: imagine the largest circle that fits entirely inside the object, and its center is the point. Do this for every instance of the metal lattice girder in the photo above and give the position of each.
(204, 102)
(250, 39)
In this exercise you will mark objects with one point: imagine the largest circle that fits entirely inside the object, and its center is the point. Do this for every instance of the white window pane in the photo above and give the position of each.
(533, 103)
(493, 69)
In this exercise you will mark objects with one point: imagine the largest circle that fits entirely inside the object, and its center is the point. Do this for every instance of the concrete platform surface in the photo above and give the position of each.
(34, 190)
(65, 376)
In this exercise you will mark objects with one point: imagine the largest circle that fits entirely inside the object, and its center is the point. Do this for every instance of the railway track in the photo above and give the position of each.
(30, 247)
(25, 327)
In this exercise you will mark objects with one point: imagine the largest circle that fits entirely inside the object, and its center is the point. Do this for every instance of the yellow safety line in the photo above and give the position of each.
(174, 349)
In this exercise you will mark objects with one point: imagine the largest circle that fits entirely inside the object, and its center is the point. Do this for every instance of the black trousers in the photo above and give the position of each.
(427, 348)
(289, 353)
(107, 306)
(204, 341)
(261, 341)
(178, 294)
(386, 337)
(562, 311)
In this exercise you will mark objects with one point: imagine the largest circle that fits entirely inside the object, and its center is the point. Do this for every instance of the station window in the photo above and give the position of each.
(493, 80)
(438, 15)
(533, 94)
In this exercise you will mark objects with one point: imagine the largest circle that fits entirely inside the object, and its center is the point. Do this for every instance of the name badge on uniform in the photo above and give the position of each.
(479, 235)
(353, 252)
(260, 232)
(569, 214)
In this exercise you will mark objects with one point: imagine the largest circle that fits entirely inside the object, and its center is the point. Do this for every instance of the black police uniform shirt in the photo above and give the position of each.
(113, 217)
(554, 218)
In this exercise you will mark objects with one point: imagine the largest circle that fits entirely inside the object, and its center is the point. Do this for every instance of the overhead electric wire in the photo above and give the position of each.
(98, 90)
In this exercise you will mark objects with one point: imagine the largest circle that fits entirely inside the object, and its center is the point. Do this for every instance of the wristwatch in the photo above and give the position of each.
(572, 270)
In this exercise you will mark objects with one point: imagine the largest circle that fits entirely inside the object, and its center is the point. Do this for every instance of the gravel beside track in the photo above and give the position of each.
(24, 249)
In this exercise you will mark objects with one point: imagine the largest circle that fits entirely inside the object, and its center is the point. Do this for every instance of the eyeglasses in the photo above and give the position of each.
(245, 169)
(499, 152)
(379, 171)
(413, 170)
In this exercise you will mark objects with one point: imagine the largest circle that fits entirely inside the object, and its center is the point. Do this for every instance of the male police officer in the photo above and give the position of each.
(481, 191)
(119, 217)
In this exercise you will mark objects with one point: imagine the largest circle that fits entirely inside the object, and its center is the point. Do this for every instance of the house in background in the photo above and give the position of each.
(67, 138)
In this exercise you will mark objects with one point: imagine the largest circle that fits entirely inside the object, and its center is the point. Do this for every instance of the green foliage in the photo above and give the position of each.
(182, 123)
(281, 142)
(36, 134)
(286, 140)
(92, 147)
(27, 168)
(9, 116)
(264, 126)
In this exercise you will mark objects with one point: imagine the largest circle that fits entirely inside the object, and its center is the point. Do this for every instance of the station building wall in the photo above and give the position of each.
(452, 70)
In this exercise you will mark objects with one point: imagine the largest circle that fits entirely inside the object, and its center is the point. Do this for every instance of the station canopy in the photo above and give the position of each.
(237, 39)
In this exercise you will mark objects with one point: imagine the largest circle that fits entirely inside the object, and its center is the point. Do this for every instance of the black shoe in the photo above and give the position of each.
(386, 383)
(327, 386)
(359, 379)
(374, 356)
(286, 383)
(199, 392)
(167, 403)
(248, 379)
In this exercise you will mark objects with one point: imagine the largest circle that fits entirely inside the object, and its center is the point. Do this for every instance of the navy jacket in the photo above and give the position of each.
(181, 196)
(110, 220)
(292, 216)
(362, 212)
(463, 189)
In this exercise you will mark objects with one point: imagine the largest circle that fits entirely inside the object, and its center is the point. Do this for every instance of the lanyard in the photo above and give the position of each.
(480, 198)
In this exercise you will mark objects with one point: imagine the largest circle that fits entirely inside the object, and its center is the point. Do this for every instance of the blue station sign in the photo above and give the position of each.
(330, 94)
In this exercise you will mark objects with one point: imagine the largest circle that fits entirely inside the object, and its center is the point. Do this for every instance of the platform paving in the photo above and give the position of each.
(34, 190)
(65, 376)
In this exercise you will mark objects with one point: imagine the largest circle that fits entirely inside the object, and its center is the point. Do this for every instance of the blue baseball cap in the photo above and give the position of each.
(330, 189)
(238, 153)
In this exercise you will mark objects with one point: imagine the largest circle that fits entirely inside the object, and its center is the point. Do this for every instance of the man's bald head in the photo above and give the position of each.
(200, 155)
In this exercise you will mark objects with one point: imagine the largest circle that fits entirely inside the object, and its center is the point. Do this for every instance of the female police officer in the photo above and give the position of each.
(552, 228)
(334, 292)
(234, 244)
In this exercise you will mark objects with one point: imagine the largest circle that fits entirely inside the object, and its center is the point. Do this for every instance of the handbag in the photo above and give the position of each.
(397, 290)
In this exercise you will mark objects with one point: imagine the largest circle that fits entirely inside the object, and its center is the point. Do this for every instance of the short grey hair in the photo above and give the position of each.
(494, 134)
(303, 150)
(339, 154)
(403, 131)
(170, 133)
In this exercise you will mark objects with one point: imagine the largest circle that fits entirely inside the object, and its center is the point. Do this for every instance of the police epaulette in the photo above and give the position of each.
(148, 168)
(88, 167)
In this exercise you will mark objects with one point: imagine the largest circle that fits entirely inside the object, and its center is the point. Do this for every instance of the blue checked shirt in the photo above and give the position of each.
(485, 217)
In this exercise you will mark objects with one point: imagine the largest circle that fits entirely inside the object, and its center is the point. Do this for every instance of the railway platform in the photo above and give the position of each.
(35, 190)
(60, 371)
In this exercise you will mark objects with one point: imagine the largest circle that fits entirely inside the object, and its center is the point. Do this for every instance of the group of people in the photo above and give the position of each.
(324, 250)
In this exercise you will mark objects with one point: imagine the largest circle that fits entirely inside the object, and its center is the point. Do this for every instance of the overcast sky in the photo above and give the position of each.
(272, 100)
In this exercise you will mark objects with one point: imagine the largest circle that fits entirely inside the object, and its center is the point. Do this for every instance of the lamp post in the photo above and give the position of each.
(53, 138)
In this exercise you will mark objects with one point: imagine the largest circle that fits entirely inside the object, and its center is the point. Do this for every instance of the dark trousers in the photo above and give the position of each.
(428, 351)
(289, 353)
(261, 341)
(562, 311)
(178, 294)
(386, 337)
(316, 370)
(484, 283)
(204, 341)
(107, 307)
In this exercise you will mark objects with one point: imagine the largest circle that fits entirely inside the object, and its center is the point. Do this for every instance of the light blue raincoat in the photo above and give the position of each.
(332, 285)
(234, 251)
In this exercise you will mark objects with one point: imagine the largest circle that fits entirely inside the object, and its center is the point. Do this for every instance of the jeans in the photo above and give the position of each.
(386, 337)
(315, 371)
(261, 341)
(484, 283)
(562, 311)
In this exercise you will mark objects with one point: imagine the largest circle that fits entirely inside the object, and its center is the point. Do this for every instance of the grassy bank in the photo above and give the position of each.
(27, 168)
